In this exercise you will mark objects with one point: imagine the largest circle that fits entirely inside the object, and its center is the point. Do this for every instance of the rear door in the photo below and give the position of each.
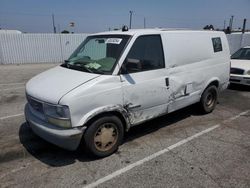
(144, 80)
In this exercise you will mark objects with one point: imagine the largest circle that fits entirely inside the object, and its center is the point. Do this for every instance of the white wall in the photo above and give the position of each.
(37, 48)
(55, 48)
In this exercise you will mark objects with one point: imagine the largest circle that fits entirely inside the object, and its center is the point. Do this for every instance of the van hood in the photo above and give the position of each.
(242, 64)
(51, 85)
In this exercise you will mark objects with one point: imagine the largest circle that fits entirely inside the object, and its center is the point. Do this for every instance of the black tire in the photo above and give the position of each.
(209, 99)
(103, 136)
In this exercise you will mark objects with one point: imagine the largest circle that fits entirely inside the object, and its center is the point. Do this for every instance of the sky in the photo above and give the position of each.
(89, 16)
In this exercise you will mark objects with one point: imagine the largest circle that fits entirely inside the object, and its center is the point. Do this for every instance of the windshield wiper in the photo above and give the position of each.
(72, 66)
(80, 68)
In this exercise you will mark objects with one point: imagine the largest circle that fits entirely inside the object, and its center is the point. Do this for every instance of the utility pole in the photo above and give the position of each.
(244, 25)
(130, 18)
(59, 28)
(231, 23)
(224, 25)
(144, 22)
(230, 20)
(53, 22)
(72, 24)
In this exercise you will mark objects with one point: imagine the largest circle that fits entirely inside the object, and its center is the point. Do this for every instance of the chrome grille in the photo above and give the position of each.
(236, 71)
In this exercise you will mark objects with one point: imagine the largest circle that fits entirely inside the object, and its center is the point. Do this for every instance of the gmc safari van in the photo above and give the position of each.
(119, 79)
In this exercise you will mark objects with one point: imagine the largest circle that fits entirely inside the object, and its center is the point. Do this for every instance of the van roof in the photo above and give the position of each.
(152, 31)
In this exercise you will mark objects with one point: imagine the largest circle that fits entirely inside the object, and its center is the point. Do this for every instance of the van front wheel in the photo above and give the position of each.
(103, 136)
(209, 99)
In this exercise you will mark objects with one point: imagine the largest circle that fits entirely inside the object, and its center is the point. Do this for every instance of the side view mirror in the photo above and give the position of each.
(131, 65)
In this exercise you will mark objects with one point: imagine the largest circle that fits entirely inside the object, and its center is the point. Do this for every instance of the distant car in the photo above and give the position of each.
(240, 67)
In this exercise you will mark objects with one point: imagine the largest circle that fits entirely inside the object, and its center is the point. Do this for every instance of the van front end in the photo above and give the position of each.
(53, 124)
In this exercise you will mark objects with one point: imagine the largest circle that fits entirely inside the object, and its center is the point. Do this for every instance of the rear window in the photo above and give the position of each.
(217, 44)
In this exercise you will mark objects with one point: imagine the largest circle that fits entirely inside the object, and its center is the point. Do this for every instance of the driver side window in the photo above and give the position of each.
(146, 54)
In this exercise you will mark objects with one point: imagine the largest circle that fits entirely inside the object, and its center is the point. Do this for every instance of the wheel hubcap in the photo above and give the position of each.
(106, 137)
(210, 100)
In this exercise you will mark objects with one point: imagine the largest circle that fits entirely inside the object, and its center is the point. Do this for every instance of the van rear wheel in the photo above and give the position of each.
(103, 136)
(209, 99)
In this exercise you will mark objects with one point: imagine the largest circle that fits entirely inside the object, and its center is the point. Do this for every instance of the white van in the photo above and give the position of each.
(115, 80)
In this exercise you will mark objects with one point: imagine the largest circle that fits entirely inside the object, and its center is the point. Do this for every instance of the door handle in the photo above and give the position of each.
(167, 82)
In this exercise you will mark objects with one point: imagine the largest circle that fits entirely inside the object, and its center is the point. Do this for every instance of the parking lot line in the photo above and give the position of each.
(6, 117)
(12, 88)
(161, 152)
(9, 84)
(16, 170)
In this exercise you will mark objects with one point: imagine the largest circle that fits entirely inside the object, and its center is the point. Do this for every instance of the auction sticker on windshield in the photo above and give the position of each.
(113, 41)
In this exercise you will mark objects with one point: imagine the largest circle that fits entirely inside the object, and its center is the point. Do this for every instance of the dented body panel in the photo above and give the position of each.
(190, 65)
(145, 95)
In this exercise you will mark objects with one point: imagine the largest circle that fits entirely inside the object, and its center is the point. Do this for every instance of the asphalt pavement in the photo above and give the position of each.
(181, 149)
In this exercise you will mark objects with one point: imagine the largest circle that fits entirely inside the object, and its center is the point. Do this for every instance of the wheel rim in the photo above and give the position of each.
(106, 137)
(210, 99)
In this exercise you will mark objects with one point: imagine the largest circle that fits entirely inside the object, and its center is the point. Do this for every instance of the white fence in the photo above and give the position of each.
(55, 48)
(37, 48)
(238, 40)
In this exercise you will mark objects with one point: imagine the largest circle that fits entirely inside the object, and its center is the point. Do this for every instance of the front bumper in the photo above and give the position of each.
(236, 79)
(64, 138)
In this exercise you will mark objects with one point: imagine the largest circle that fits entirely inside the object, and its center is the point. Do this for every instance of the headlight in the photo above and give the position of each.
(248, 72)
(59, 122)
(57, 115)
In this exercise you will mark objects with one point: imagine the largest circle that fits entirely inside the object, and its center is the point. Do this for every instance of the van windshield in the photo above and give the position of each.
(243, 53)
(98, 54)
